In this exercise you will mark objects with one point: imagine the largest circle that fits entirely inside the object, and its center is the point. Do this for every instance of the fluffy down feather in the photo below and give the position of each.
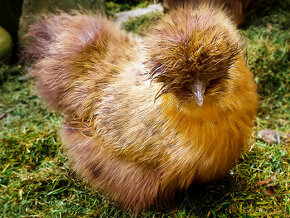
(132, 127)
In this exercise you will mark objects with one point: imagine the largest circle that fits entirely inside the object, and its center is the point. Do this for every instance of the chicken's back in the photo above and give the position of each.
(74, 57)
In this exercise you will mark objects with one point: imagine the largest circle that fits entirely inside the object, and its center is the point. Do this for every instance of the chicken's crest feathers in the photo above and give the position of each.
(192, 42)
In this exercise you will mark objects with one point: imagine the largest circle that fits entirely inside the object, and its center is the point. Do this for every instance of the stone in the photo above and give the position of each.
(5, 45)
(269, 136)
(122, 17)
(32, 8)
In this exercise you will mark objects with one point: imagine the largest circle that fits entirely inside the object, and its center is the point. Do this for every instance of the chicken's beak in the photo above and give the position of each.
(198, 91)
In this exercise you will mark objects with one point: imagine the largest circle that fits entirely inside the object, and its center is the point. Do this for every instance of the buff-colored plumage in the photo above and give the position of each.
(133, 125)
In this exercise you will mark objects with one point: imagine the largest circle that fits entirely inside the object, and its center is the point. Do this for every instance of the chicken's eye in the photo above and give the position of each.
(212, 84)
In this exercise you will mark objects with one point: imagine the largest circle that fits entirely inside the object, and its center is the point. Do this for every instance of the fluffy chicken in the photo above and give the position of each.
(145, 117)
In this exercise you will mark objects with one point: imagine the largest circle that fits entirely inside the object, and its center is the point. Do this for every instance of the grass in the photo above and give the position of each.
(141, 24)
(115, 6)
(35, 179)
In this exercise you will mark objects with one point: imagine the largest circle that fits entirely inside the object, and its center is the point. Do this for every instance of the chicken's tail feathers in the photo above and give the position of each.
(51, 46)
(70, 56)
(35, 41)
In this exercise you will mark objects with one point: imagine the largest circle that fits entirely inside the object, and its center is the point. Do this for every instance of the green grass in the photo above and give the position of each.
(115, 6)
(35, 179)
(141, 24)
(268, 55)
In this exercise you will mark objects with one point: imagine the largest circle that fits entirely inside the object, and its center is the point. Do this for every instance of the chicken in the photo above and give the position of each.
(145, 117)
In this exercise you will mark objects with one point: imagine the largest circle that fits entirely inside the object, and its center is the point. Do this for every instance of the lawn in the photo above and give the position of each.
(35, 179)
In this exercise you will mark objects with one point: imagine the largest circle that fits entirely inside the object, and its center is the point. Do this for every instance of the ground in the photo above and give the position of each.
(35, 179)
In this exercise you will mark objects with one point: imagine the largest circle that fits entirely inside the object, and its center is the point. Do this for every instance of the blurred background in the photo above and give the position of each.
(34, 177)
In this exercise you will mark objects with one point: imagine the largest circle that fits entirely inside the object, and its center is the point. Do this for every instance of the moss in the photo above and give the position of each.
(268, 55)
(141, 24)
(115, 6)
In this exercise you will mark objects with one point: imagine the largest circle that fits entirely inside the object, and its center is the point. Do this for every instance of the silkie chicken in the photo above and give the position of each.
(145, 117)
